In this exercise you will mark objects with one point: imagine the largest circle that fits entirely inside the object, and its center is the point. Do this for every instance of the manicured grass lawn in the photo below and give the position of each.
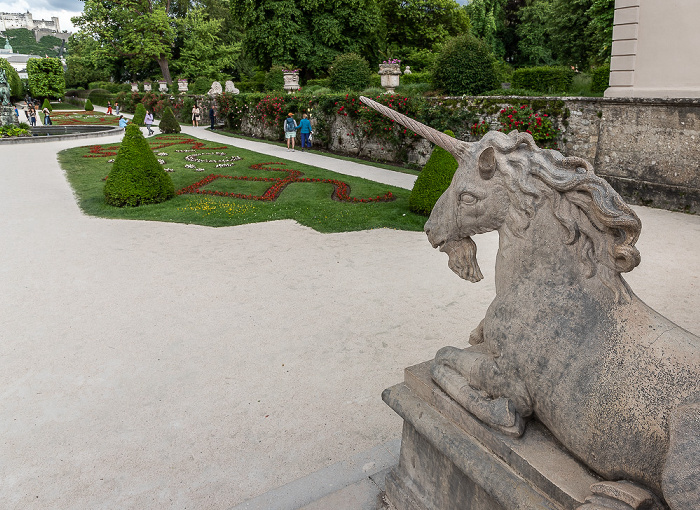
(309, 203)
(377, 164)
(64, 106)
(82, 118)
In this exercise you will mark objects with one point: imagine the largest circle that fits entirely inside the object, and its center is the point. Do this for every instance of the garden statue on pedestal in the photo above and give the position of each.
(390, 72)
(230, 88)
(566, 342)
(6, 114)
(215, 89)
(291, 80)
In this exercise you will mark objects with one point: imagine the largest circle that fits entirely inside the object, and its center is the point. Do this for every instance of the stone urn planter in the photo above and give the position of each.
(390, 73)
(146, 86)
(182, 85)
(134, 87)
(162, 86)
(291, 80)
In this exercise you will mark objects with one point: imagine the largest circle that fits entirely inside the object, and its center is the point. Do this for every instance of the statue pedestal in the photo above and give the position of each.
(7, 115)
(450, 460)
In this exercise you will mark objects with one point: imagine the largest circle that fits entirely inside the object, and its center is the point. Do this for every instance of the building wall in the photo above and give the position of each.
(656, 46)
(11, 21)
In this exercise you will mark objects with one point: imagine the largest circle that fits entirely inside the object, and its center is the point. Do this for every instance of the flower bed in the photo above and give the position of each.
(83, 118)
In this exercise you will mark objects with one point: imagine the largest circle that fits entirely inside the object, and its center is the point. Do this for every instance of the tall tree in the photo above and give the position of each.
(307, 33)
(86, 63)
(134, 29)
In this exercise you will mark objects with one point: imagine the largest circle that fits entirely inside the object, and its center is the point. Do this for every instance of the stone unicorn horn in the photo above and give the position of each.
(566, 341)
(461, 252)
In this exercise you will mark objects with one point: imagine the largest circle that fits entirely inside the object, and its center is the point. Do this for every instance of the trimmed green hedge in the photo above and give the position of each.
(136, 177)
(100, 97)
(169, 124)
(88, 106)
(601, 78)
(47, 104)
(139, 115)
(465, 66)
(349, 72)
(543, 79)
(433, 180)
(16, 87)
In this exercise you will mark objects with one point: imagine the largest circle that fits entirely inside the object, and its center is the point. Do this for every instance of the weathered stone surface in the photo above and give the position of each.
(566, 341)
(215, 89)
(230, 88)
(448, 458)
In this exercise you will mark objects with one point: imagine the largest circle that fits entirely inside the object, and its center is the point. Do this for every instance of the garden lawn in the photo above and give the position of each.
(64, 106)
(214, 197)
(76, 118)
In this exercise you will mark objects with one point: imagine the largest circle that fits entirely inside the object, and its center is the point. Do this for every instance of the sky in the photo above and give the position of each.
(45, 9)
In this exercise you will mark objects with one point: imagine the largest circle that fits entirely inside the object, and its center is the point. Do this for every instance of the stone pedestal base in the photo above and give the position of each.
(7, 115)
(449, 460)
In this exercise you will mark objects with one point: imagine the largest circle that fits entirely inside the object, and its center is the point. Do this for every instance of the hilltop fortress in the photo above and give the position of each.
(41, 27)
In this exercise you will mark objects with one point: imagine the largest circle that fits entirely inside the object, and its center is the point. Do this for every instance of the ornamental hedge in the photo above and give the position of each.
(601, 78)
(16, 87)
(47, 104)
(543, 79)
(46, 77)
(136, 177)
(349, 72)
(139, 115)
(465, 66)
(88, 106)
(169, 124)
(433, 180)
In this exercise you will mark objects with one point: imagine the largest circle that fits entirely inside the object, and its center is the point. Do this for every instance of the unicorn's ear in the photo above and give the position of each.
(487, 163)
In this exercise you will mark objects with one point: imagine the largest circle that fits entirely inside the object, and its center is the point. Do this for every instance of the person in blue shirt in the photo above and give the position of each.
(122, 121)
(305, 131)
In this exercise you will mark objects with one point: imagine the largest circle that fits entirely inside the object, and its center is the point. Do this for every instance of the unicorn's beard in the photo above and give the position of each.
(462, 259)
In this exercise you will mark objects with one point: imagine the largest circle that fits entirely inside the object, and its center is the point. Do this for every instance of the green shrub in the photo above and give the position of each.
(349, 72)
(321, 82)
(544, 79)
(250, 86)
(433, 180)
(139, 114)
(168, 123)
(46, 77)
(512, 92)
(372, 92)
(16, 86)
(88, 106)
(47, 104)
(136, 177)
(201, 85)
(274, 79)
(601, 78)
(100, 96)
(410, 79)
(322, 91)
(465, 66)
(420, 60)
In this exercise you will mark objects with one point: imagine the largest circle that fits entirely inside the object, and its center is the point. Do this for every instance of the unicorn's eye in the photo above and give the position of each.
(467, 199)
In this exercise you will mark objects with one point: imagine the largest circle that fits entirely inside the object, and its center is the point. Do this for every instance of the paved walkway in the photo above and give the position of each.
(159, 365)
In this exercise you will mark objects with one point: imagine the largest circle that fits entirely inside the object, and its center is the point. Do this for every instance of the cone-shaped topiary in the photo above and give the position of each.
(433, 180)
(136, 177)
(139, 114)
(46, 104)
(88, 106)
(169, 124)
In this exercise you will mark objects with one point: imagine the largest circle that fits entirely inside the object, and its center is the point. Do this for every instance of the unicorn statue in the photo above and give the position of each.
(565, 340)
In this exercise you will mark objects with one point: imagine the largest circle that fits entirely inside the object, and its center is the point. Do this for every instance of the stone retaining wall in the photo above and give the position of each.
(648, 149)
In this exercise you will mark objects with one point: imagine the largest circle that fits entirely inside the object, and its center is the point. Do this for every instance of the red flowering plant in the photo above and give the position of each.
(479, 129)
(524, 119)
(270, 110)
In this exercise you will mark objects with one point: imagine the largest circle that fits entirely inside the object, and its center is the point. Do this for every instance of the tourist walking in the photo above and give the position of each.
(109, 108)
(116, 108)
(212, 116)
(47, 117)
(122, 121)
(148, 120)
(16, 114)
(32, 116)
(196, 115)
(305, 132)
(290, 131)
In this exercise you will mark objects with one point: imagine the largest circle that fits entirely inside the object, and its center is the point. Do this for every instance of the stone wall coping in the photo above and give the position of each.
(661, 101)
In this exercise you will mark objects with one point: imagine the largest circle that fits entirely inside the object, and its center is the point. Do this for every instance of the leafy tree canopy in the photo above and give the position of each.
(140, 30)
(46, 77)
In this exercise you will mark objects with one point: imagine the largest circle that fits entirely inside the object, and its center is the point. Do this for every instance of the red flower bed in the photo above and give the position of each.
(341, 190)
(104, 151)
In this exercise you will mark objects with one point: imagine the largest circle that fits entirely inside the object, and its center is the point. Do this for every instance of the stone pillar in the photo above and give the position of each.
(656, 46)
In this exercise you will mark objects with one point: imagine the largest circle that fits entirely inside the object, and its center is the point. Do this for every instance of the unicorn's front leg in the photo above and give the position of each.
(472, 378)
